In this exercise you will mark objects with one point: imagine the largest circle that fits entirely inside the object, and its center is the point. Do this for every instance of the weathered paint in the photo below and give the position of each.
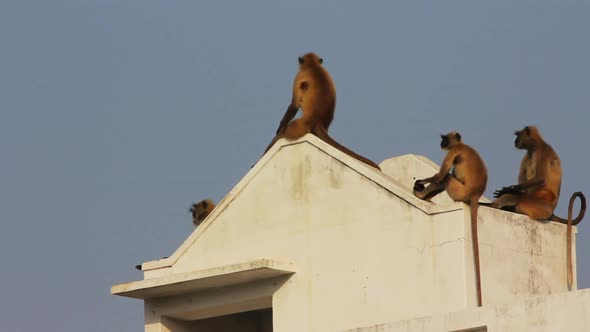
(364, 249)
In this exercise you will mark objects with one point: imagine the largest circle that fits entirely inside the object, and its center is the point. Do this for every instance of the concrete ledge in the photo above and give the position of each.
(204, 279)
(558, 312)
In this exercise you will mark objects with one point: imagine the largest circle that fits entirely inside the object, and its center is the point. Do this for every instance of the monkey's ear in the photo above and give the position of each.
(300, 60)
(458, 136)
(321, 60)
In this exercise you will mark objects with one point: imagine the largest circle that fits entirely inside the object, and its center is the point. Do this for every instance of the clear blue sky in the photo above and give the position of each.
(116, 115)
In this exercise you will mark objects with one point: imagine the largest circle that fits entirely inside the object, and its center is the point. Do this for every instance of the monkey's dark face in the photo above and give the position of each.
(194, 211)
(450, 139)
(444, 141)
(523, 138)
(200, 211)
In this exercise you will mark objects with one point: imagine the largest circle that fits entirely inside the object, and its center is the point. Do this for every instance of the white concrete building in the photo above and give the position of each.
(314, 240)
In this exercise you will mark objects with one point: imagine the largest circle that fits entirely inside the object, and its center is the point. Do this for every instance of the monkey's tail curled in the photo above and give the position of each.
(570, 209)
(568, 245)
(569, 249)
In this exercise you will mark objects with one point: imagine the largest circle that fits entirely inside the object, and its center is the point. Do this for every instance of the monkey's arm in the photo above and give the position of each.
(507, 190)
(519, 189)
(522, 171)
(300, 84)
(427, 180)
(442, 174)
(289, 115)
(523, 183)
(545, 166)
(446, 166)
(532, 183)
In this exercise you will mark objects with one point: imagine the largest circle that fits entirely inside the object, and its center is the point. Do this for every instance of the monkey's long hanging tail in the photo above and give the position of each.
(570, 222)
(473, 206)
(569, 249)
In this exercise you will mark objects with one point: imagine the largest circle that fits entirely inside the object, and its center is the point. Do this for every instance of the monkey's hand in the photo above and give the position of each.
(514, 189)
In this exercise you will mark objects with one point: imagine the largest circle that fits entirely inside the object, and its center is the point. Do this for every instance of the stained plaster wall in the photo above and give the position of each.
(363, 254)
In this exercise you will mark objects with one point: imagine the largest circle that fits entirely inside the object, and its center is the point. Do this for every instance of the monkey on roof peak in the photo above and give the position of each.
(314, 93)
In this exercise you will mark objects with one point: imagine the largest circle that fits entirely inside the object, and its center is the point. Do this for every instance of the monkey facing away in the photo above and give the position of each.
(314, 93)
(466, 183)
(201, 210)
(538, 188)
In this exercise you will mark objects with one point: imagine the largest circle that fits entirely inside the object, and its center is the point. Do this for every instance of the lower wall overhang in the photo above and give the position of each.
(221, 276)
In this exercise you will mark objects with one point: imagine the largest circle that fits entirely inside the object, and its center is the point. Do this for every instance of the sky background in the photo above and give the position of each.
(116, 115)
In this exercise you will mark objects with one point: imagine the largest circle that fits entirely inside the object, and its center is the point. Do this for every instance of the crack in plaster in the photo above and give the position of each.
(421, 251)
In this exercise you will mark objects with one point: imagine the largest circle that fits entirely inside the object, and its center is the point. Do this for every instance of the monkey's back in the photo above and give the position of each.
(470, 170)
(319, 101)
(544, 161)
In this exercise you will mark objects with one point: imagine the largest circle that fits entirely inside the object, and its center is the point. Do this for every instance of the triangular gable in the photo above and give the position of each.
(390, 180)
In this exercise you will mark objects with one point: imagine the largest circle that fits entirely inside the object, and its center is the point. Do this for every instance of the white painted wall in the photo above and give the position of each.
(554, 313)
(365, 250)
